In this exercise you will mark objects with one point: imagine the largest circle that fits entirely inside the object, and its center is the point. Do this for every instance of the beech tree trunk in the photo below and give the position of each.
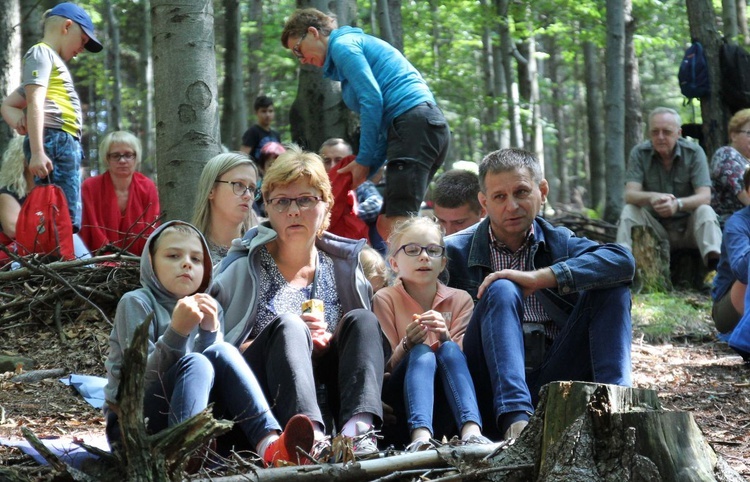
(715, 115)
(186, 93)
(10, 58)
(255, 55)
(147, 75)
(633, 98)
(594, 120)
(113, 57)
(615, 110)
(233, 113)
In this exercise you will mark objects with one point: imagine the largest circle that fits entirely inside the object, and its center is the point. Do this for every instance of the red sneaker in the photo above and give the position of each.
(298, 432)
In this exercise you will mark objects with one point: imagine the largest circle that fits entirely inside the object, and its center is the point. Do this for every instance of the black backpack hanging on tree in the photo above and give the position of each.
(693, 73)
(734, 62)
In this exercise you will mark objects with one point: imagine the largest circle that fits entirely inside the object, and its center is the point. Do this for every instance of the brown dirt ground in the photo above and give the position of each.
(694, 374)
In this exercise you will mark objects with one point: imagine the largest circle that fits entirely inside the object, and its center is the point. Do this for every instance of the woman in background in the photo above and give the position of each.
(120, 206)
(224, 205)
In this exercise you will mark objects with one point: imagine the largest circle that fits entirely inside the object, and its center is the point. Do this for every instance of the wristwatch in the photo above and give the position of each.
(679, 205)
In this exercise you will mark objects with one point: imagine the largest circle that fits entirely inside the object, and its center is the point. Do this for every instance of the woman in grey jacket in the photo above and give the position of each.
(297, 303)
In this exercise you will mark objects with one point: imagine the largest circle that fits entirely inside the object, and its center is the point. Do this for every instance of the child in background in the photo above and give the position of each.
(53, 118)
(189, 365)
(260, 133)
(425, 321)
(374, 267)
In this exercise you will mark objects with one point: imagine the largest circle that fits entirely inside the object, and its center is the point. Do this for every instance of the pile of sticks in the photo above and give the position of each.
(61, 291)
(582, 226)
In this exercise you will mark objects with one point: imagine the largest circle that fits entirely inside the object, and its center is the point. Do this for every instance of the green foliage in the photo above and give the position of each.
(658, 317)
(443, 39)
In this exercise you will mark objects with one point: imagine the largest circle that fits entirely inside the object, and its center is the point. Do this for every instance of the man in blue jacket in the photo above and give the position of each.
(566, 297)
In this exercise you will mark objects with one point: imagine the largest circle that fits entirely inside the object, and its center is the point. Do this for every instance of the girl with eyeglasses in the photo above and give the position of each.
(297, 304)
(425, 321)
(120, 206)
(224, 204)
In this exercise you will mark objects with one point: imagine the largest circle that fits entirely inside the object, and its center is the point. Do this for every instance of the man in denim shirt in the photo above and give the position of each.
(526, 272)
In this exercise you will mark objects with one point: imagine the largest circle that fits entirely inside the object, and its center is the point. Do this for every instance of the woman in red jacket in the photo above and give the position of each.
(120, 206)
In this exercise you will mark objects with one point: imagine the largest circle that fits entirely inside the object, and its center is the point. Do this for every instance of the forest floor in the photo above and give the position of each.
(675, 352)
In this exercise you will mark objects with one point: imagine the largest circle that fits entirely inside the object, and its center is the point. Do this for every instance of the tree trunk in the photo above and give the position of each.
(10, 59)
(594, 123)
(384, 20)
(535, 103)
(113, 56)
(255, 55)
(397, 27)
(490, 116)
(615, 110)
(729, 18)
(187, 123)
(31, 25)
(742, 22)
(715, 115)
(233, 115)
(558, 117)
(633, 99)
(146, 63)
(511, 87)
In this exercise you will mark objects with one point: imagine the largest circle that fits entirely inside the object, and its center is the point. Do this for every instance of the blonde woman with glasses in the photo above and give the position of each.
(224, 205)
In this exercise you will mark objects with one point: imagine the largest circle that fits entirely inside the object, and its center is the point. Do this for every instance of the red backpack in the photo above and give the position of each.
(44, 224)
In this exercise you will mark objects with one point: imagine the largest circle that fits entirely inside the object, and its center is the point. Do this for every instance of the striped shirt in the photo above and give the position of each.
(504, 258)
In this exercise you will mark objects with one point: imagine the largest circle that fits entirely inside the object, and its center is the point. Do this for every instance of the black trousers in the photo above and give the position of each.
(351, 369)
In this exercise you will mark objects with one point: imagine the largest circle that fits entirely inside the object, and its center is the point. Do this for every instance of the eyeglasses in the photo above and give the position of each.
(296, 51)
(282, 204)
(414, 250)
(239, 188)
(116, 156)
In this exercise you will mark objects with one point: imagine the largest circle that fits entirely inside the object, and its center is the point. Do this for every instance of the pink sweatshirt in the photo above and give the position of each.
(394, 308)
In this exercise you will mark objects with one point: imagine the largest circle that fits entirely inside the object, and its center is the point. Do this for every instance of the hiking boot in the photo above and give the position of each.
(297, 433)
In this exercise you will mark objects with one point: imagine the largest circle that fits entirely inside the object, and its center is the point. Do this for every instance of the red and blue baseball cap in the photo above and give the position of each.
(79, 16)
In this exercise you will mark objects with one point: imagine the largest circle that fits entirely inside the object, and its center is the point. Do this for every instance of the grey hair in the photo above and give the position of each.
(505, 160)
(665, 110)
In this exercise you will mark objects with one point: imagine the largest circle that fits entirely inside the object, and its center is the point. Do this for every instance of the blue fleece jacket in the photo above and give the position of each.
(377, 82)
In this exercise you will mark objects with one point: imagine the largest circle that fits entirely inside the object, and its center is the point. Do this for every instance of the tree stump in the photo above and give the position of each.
(651, 269)
(594, 432)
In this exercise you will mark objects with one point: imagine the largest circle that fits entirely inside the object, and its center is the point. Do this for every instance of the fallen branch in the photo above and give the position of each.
(38, 375)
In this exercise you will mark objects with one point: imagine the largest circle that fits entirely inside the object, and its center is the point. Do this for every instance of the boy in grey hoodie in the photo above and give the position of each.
(189, 365)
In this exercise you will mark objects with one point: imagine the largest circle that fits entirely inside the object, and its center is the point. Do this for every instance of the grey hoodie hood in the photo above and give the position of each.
(148, 277)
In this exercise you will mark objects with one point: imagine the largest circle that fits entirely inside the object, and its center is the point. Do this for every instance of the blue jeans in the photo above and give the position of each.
(219, 375)
(592, 346)
(66, 153)
(415, 379)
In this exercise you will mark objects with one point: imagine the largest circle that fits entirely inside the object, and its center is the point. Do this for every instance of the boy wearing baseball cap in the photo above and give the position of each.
(52, 121)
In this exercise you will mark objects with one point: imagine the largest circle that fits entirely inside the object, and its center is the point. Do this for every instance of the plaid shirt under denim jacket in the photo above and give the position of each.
(579, 264)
